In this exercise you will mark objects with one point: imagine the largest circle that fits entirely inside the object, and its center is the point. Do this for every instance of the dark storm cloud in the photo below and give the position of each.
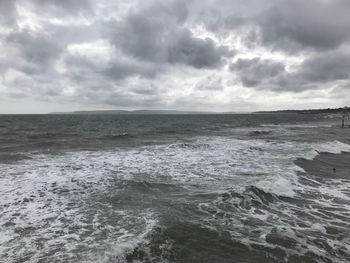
(314, 73)
(141, 52)
(199, 53)
(319, 30)
(319, 71)
(62, 7)
(299, 24)
(279, 24)
(39, 51)
(157, 34)
(256, 71)
(325, 67)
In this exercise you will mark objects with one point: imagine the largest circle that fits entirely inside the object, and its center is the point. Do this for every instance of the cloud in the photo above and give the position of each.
(59, 7)
(318, 71)
(8, 13)
(210, 83)
(157, 34)
(37, 51)
(255, 72)
(123, 68)
(290, 26)
(326, 67)
(298, 24)
(174, 53)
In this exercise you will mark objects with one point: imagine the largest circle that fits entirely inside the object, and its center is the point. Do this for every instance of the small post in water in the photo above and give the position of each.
(346, 112)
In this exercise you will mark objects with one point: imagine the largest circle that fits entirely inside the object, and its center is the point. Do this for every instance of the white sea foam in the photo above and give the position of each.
(299, 125)
(45, 205)
(329, 147)
(323, 205)
(125, 244)
(46, 197)
(279, 186)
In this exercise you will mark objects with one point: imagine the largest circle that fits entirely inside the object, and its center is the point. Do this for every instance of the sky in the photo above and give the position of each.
(202, 55)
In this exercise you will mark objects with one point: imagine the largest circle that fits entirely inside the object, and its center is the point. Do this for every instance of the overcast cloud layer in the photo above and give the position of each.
(217, 55)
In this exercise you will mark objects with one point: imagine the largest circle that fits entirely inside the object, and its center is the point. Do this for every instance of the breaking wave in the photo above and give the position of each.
(76, 206)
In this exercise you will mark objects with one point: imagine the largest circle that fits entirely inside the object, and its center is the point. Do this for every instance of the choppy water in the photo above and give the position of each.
(216, 188)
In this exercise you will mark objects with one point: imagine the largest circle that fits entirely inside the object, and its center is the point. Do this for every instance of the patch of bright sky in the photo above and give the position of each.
(4, 30)
(68, 90)
(76, 21)
(29, 19)
(12, 75)
(99, 49)
(116, 10)
(26, 18)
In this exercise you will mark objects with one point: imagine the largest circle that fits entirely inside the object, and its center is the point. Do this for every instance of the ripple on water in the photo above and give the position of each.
(60, 207)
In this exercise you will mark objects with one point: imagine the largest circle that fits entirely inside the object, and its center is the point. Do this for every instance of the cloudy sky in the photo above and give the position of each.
(216, 55)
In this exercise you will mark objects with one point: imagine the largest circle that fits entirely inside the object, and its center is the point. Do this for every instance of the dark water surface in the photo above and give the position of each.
(174, 188)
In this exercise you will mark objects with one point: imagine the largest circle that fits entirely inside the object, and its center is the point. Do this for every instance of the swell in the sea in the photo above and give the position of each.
(162, 202)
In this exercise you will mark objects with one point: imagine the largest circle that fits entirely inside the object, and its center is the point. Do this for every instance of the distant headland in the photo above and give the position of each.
(312, 111)
(176, 112)
(134, 112)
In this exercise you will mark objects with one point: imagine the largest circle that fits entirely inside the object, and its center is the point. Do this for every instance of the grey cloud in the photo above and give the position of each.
(80, 67)
(295, 25)
(325, 67)
(38, 50)
(62, 7)
(9, 15)
(224, 17)
(195, 52)
(210, 83)
(118, 95)
(66, 4)
(254, 72)
(8, 12)
(315, 72)
(285, 25)
(157, 34)
(29, 86)
(160, 41)
(149, 90)
(144, 33)
(123, 69)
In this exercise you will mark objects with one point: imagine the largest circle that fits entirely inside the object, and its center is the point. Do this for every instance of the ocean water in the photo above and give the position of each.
(172, 188)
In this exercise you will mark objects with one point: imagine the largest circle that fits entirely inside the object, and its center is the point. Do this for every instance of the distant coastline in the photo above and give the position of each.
(312, 111)
(136, 112)
(175, 112)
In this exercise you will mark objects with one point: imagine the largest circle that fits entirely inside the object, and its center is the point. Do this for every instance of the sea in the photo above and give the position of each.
(174, 188)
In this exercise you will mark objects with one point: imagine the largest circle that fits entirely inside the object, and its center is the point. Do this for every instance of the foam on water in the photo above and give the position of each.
(329, 147)
(47, 209)
(124, 245)
(305, 223)
(299, 125)
(50, 205)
